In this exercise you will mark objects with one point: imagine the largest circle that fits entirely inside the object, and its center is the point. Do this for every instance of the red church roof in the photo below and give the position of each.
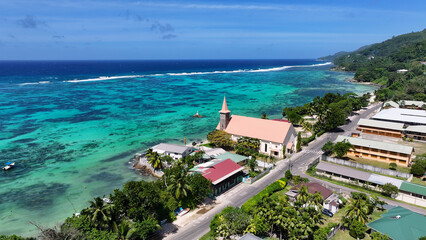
(221, 171)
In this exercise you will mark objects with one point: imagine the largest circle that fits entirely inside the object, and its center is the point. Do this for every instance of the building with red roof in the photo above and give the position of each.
(223, 174)
(277, 138)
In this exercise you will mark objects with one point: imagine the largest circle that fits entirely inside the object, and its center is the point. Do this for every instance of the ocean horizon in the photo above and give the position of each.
(72, 126)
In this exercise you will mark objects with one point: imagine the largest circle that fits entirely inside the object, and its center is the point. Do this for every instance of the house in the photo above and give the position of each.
(402, 115)
(416, 132)
(408, 192)
(400, 224)
(379, 151)
(224, 174)
(277, 138)
(331, 201)
(173, 150)
(376, 127)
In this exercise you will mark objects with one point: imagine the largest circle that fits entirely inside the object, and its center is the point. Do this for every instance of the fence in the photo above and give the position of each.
(367, 167)
(334, 231)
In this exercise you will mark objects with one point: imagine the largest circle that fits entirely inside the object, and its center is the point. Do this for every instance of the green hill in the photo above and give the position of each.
(378, 63)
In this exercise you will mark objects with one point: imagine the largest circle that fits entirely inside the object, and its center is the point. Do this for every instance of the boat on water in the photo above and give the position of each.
(9, 165)
(197, 115)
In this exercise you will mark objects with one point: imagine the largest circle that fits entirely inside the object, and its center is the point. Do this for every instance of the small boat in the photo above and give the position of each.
(197, 115)
(9, 165)
(106, 200)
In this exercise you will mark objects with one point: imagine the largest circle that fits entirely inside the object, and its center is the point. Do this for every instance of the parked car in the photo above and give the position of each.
(327, 212)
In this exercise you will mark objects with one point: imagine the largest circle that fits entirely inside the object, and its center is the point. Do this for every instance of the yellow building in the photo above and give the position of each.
(388, 129)
(379, 151)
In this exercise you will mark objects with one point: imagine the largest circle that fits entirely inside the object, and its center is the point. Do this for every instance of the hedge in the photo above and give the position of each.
(270, 189)
(305, 141)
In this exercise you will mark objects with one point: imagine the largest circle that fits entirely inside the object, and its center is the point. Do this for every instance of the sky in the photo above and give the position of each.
(127, 29)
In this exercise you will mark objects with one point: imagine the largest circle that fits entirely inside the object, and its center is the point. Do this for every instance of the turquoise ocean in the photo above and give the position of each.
(72, 126)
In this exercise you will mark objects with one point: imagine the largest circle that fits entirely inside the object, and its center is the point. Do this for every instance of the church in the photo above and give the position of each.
(277, 138)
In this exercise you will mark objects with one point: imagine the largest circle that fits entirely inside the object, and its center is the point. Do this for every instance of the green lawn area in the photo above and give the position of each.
(344, 235)
(206, 236)
(418, 181)
(207, 145)
(378, 164)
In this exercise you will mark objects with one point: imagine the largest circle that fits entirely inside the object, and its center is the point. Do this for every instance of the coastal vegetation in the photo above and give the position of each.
(329, 112)
(379, 64)
(135, 211)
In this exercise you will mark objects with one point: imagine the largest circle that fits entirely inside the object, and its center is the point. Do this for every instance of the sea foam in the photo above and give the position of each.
(105, 78)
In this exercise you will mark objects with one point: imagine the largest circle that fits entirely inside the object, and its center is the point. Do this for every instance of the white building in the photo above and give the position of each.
(173, 150)
(276, 138)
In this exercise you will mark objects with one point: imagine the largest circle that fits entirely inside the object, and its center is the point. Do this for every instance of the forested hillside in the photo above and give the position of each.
(379, 63)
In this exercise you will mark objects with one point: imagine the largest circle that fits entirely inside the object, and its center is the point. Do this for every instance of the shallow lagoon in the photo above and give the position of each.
(72, 140)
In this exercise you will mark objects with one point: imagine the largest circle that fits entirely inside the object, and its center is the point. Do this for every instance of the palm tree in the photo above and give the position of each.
(317, 200)
(125, 230)
(179, 185)
(155, 160)
(98, 212)
(303, 196)
(307, 127)
(357, 210)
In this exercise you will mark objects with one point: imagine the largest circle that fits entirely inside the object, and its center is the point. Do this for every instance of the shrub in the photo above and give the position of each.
(288, 174)
(389, 189)
(274, 187)
(357, 230)
(320, 133)
(392, 166)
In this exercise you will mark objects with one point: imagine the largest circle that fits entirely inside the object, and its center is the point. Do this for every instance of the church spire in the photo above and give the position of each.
(224, 106)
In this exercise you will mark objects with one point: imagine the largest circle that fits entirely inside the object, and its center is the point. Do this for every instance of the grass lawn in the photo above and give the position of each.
(378, 164)
(207, 145)
(344, 235)
(206, 236)
(418, 181)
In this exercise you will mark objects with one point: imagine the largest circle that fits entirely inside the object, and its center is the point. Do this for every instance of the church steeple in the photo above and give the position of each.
(224, 115)
(224, 106)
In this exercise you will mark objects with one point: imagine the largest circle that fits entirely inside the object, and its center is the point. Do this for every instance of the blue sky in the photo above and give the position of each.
(126, 29)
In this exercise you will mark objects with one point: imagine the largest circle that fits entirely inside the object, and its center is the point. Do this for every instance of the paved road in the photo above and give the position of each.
(299, 162)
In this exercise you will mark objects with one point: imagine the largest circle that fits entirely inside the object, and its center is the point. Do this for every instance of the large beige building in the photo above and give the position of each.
(388, 129)
(277, 138)
(379, 151)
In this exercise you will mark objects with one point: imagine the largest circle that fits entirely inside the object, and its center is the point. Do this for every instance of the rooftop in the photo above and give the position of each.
(381, 124)
(410, 103)
(376, 144)
(234, 157)
(264, 129)
(411, 116)
(416, 128)
(167, 147)
(344, 171)
(217, 170)
(249, 236)
(409, 225)
(413, 188)
(314, 187)
(391, 103)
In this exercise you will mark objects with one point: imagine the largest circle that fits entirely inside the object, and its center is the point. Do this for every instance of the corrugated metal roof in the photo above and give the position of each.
(402, 115)
(391, 103)
(174, 148)
(344, 171)
(413, 188)
(234, 157)
(381, 124)
(382, 180)
(410, 103)
(376, 144)
(409, 225)
(418, 128)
